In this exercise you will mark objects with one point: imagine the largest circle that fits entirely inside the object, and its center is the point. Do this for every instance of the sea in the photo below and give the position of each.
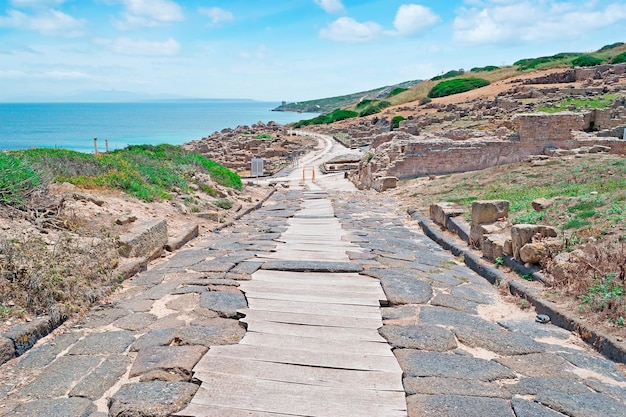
(75, 125)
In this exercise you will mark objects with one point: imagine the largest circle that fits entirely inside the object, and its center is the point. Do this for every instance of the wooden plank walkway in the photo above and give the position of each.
(312, 347)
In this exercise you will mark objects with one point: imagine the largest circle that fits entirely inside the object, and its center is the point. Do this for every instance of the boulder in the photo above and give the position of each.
(146, 239)
(385, 183)
(522, 234)
(489, 211)
(542, 204)
(493, 245)
(534, 253)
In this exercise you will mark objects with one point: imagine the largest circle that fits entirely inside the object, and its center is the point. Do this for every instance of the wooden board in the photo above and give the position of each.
(313, 319)
(316, 331)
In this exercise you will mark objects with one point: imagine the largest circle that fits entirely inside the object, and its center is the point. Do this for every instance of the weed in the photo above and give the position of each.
(532, 217)
(605, 293)
(524, 304)
(499, 261)
(369, 157)
(576, 224)
(264, 136)
(223, 204)
(17, 180)
(527, 277)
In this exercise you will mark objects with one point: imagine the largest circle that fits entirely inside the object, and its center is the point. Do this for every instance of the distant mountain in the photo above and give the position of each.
(327, 105)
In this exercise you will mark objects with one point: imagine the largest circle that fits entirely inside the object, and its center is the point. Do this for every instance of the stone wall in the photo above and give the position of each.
(548, 129)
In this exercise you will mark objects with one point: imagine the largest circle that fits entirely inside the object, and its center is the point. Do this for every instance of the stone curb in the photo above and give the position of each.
(607, 345)
(24, 335)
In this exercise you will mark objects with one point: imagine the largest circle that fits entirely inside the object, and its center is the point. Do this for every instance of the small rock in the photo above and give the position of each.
(542, 318)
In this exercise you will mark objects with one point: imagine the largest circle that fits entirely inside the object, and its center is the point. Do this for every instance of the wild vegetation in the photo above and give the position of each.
(589, 209)
(324, 119)
(575, 103)
(456, 86)
(50, 268)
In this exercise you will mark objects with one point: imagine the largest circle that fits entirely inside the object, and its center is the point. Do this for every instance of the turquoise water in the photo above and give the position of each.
(74, 125)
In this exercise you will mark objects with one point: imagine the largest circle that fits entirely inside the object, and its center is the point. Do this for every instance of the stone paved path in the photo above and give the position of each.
(463, 350)
(312, 347)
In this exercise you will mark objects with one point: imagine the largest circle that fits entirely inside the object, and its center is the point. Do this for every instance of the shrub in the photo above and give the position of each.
(586, 61)
(397, 91)
(264, 136)
(374, 107)
(532, 63)
(449, 74)
(17, 180)
(619, 59)
(611, 46)
(459, 85)
(223, 204)
(425, 100)
(488, 68)
(334, 116)
(395, 122)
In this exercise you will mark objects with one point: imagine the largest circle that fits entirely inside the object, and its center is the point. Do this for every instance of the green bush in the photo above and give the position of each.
(611, 46)
(223, 204)
(17, 180)
(586, 61)
(619, 59)
(397, 91)
(449, 74)
(425, 100)
(374, 107)
(147, 172)
(488, 68)
(459, 85)
(532, 63)
(334, 116)
(395, 122)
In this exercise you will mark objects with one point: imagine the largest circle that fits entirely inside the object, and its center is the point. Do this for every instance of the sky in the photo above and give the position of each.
(291, 50)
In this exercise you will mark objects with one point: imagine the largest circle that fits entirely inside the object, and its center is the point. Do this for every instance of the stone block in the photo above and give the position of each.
(542, 204)
(478, 232)
(187, 234)
(459, 226)
(144, 239)
(385, 183)
(154, 398)
(493, 245)
(522, 234)
(489, 211)
(7, 349)
(25, 335)
(167, 363)
(441, 212)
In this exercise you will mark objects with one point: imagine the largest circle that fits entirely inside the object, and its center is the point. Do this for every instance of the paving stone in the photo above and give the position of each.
(158, 337)
(189, 289)
(25, 335)
(215, 265)
(453, 386)
(225, 304)
(596, 364)
(7, 349)
(247, 267)
(500, 342)
(457, 406)
(137, 306)
(186, 302)
(534, 386)
(402, 255)
(58, 378)
(152, 277)
(609, 389)
(167, 363)
(419, 336)
(447, 365)
(401, 312)
(171, 321)
(312, 266)
(59, 407)
(104, 343)
(103, 317)
(583, 405)
(98, 381)
(188, 258)
(159, 291)
(480, 297)
(135, 321)
(211, 332)
(457, 303)
(43, 354)
(237, 258)
(151, 399)
(525, 408)
(534, 329)
(448, 317)
(539, 365)
(403, 290)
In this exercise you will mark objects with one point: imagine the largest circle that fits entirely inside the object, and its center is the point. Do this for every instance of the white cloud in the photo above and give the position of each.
(505, 21)
(50, 22)
(331, 6)
(65, 75)
(414, 18)
(346, 29)
(149, 13)
(217, 15)
(127, 46)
